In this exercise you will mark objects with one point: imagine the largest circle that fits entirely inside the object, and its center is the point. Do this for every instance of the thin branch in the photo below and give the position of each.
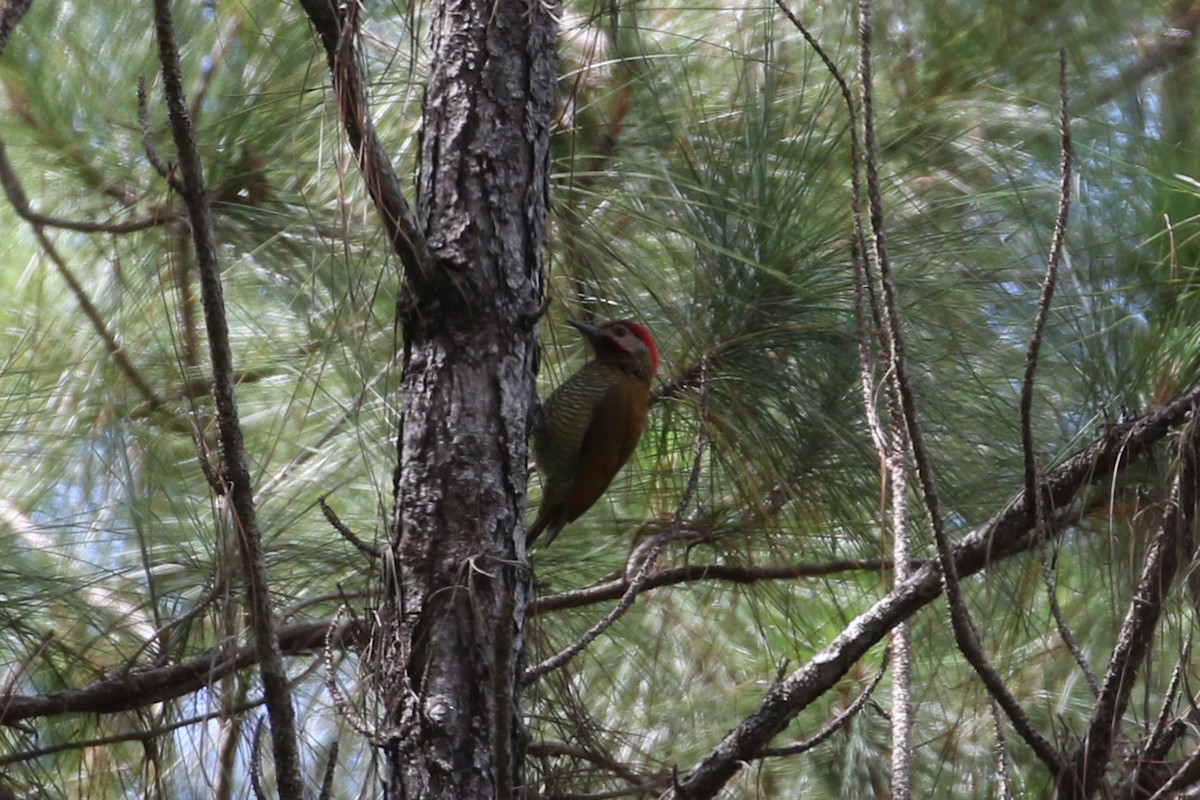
(1183, 777)
(864, 279)
(138, 688)
(82, 226)
(284, 737)
(1137, 632)
(340, 703)
(326, 597)
(612, 588)
(215, 57)
(196, 427)
(16, 196)
(160, 635)
(1048, 282)
(1028, 449)
(1006, 533)
(1151, 769)
(894, 458)
(639, 783)
(1003, 784)
(897, 460)
(232, 690)
(369, 550)
(197, 387)
(636, 587)
(20, 203)
(336, 24)
(1161, 738)
(8, 759)
(14, 676)
(964, 630)
(690, 377)
(1060, 619)
(255, 765)
(330, 768)
(835, 724)
(163, 169)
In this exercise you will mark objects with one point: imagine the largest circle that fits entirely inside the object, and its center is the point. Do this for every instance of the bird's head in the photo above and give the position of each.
(624, 342)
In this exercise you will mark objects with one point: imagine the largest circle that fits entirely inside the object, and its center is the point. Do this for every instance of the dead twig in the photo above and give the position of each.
(369, 550)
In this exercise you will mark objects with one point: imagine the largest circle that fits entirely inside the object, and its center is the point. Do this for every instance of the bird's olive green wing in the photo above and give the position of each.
(611, 437)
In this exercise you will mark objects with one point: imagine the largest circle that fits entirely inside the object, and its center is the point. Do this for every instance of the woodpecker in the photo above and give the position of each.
(591, 424)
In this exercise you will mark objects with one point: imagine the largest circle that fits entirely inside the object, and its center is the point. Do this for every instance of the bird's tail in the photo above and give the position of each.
(542, 523)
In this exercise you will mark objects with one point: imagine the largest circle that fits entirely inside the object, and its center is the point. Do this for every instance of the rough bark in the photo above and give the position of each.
(459, 589)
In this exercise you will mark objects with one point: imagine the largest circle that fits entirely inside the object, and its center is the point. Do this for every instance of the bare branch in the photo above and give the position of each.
(131, 736)
(138, 688)
(285, 740)
(1048, 283)
(15, 675)
(1060, 619)
(1151, 770)
(1185, 776)
(639, 783)
(864, 279)
(369, 550)
(1028, 450)
(612, 588)
(330, 768)
(337, 25)
(20, 203)
(348, 712)
(161, 635)
(893, 456)
(166, 171)
(1162, 737)
(835, 724)
(1006, 533)
(255, 765)
(1137, 632)
(1003, 785)
(960, 620)
(16, 196)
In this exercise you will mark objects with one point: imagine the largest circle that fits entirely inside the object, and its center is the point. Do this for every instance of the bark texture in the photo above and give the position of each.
(469, 312)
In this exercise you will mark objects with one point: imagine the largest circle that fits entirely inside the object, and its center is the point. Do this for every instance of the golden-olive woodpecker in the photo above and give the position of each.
(591, 424)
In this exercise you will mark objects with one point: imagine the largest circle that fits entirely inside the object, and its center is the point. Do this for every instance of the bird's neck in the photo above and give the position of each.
(633, 367)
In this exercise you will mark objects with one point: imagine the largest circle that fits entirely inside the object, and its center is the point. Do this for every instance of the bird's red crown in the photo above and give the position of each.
(641, 332)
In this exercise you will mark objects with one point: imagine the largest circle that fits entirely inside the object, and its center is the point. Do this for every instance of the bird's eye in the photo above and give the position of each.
(620, 331)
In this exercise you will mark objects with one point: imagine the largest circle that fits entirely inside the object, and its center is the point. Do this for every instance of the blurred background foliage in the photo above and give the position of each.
(701, 185)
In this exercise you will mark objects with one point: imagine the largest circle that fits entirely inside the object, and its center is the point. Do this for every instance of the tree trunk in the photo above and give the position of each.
(458, 592)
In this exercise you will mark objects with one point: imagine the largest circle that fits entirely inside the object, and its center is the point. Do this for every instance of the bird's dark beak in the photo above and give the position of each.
(594, 335)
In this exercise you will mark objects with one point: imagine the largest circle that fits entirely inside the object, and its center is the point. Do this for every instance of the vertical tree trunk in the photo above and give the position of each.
(458, 596)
